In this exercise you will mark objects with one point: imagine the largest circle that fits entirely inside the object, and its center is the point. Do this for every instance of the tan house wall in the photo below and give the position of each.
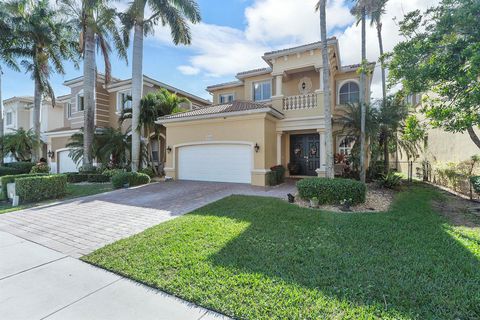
(239, 93)
(446, 146)
(248, 85)
(249, 129)
(298, 61)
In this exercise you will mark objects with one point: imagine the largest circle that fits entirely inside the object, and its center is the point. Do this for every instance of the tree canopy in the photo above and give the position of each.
(441, 58)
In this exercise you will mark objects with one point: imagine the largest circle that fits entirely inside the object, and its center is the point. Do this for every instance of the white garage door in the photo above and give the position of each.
(215, 162)
(65, 163)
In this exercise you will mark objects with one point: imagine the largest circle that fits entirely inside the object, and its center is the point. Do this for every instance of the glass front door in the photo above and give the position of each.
(304, 154)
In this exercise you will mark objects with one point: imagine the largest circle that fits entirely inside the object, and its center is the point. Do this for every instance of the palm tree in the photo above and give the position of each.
(330, 173)
(174, 13)
(45, 43)
(21, 144)
(360, 11)
(110, 146)
(376, 9)
(7, 41)
(152, 106)
(97, 24)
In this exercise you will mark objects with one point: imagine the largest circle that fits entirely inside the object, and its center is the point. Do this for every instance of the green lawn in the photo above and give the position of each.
(73, 191)
(262, 258)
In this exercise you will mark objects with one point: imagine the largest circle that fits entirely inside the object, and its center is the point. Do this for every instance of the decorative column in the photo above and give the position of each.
(279, 148)
(323, 156)
(320, 72)
(278, 85)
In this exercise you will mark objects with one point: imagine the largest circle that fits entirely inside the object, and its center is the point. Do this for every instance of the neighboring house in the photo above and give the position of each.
(18, 113)
(110, 100)
(268, 116)
(440, 146)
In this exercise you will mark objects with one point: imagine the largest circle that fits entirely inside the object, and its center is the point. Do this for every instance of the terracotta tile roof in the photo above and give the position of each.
(254, 71)
(235, 106)
(298, 47)
(230, 83)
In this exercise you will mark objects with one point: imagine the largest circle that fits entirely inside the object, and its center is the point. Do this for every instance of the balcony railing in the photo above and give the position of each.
(304, 101)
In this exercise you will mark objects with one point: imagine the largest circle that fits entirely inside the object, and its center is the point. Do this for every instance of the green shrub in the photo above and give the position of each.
(88, 169)
(131, 179)
(390, 180)
(7, 171)
(40, 168)
(148, 171)
(475, 180)
(112, 172)
(277, 176)
(22, 167)
(11, 178)
(40, 188)
(76, 177)
(332, 191)
(98, 177)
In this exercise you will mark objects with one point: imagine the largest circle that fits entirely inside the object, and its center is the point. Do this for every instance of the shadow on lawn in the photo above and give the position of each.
(403, 262)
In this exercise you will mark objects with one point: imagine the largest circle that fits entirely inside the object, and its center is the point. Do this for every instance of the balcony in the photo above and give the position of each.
(304, 101)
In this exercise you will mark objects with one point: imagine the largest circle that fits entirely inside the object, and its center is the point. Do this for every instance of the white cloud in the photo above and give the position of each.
(272, 24)
(188, 70)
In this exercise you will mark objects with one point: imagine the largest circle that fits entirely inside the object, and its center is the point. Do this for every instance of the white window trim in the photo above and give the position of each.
(339, 142)
(226, 94)
(77, 100)
(260, 82)
(118, 109)
(69, 114)
(340, 85)
(11, 118)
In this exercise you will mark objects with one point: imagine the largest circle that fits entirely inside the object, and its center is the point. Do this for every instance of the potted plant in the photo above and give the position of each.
(314, 202)
(346, 204)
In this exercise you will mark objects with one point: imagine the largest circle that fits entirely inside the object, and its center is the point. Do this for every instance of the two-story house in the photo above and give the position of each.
(268, 116)
(18, 113)
(109, 101)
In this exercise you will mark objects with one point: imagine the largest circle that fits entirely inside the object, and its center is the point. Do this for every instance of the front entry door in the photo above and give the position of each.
(304, 154)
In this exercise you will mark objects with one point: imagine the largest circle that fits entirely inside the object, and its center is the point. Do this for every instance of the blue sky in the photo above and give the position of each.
(232, 37)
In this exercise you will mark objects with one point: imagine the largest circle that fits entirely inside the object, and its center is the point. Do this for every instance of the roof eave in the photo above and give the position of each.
(268, 110)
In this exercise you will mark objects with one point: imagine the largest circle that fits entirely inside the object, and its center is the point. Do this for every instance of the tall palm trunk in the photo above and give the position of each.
(37, 101)
(386, 155)
(89, 82)
(326, 93)
(137, 88)
(1, 119)
(363, 84)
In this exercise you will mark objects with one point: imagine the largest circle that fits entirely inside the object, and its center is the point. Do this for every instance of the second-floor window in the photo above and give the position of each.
(9, 118)
(228, 97)
(69, 110)
(262, 91)
(124, 100)
(349, 93)
(80, 102)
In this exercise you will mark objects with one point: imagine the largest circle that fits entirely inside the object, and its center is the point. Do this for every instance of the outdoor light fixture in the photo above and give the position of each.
(169, 149)
(257, 147)
(50, 154)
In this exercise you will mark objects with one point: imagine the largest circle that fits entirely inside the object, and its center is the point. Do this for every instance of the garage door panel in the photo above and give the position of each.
(220, 163)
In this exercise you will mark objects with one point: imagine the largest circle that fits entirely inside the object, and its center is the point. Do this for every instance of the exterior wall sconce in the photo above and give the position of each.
(50, 154)
(257, 147)
(169, 149)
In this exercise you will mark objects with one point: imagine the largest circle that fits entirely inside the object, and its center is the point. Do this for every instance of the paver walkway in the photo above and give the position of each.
(40, 283)
(80, 226)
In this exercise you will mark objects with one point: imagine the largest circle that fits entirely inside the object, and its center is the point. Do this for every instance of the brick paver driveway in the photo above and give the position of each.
(80, 226)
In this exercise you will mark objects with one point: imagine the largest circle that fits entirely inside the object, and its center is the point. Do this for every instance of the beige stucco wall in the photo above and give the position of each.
(251, 129)
(298, 61)
(239, 93)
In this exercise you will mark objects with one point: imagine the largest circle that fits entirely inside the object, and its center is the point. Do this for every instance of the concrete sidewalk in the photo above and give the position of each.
(40, 283)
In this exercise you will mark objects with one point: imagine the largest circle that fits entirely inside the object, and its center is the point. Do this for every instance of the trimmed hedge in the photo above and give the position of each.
(475, 183)
(112, 172)
(74, 177)
(22, 167)
(121, 179)
(7, 171)
(332, 191)
(12, 178)
(39, 188)
(40, 168)
(276, 175)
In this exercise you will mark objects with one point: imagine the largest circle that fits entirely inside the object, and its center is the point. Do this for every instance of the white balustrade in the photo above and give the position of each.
(304, 101)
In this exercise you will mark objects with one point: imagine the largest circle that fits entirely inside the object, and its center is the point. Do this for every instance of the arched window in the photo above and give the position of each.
(349, 93)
